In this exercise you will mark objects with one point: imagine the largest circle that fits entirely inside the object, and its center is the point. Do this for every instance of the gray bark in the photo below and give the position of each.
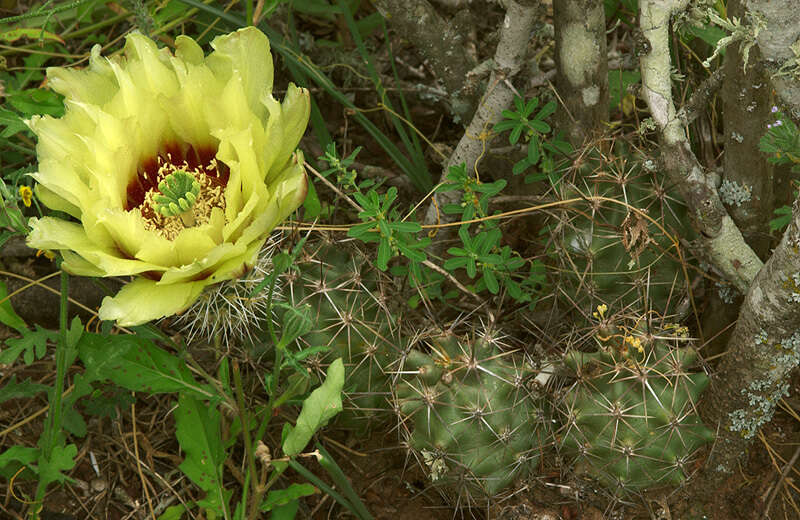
(783, 29)
(441, 43)
(764, 349)
(748, 178)
(514, 37)
(746, 111)
(582, 65)
(765, 345)
(720, 238)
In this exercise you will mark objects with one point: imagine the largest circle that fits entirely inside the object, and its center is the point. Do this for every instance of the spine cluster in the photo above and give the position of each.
(477, 416)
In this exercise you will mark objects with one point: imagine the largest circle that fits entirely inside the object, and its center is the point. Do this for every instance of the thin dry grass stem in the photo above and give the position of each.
(139, 464)
(32, 416)
(333, 187)
(782, 478)
(38, 283)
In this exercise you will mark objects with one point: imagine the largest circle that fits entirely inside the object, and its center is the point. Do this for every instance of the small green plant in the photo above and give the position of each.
(480, 254)
(782, 141)
(544, 150)
(783, 216)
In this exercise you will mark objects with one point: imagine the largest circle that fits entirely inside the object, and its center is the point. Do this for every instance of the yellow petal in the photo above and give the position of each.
(244, 54)
(55, 234)
(295, 111)
(236, 149)
(205, 268)
(144, 300)
(94, 85)
(123, 110)
(150, 66)
(52, 200)
(290, 192)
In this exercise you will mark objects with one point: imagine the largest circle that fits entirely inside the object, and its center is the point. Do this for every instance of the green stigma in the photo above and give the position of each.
(179, 192)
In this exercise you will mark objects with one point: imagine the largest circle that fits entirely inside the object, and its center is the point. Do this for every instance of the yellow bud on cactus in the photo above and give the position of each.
(207, 130)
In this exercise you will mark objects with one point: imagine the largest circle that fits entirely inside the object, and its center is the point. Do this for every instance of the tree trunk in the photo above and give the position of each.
(442, 47)
(747, 111)
(775, 40)
(582, 67)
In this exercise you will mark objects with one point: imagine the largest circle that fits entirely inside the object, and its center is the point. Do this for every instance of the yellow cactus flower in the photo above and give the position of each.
(26, 194)
(174, 167)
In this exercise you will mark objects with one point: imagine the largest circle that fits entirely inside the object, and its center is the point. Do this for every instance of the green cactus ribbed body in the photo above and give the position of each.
(469, 415)
(612, 254)
(353, 321)
(630, 420)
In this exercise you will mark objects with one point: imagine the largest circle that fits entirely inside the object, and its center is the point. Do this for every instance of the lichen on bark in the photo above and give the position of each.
(582, 66)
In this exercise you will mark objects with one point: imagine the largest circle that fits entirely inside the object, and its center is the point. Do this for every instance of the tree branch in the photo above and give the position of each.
(439, 42)
(514, 37)
(765, 345)
(722, 240)
(764, 349)
(782, 29)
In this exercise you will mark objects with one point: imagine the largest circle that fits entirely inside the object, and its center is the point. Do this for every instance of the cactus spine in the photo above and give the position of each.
(469, 415)
(616, 255)
(353, 321)
(630, 420)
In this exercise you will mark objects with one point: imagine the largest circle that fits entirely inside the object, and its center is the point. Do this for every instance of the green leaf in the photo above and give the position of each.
(530, 106)
(32, 343)
(311, 204)
(471, 268)
(32, 33)
(286, 511)
(37, 101)
(62, 459)
(540, 126)
(15, 457)
(173, 512)
(711, 34)
(358, 230)
(137, 364)
(506, 124)
(451, 264)
(406, 227)
(12, 122)
(197, 428)
(491, 281)
(296, 322)
(318, 408)
(107, 401)
(72, 422)
(547, 110)
(7, 314)
(520, 166)
(519, 104)
(284, 496)
(412, 254)
(783, 220)
(24, 389)
(384, 255)
(534, 153)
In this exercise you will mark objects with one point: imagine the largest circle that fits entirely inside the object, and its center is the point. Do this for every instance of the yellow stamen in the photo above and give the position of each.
(209, 197)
